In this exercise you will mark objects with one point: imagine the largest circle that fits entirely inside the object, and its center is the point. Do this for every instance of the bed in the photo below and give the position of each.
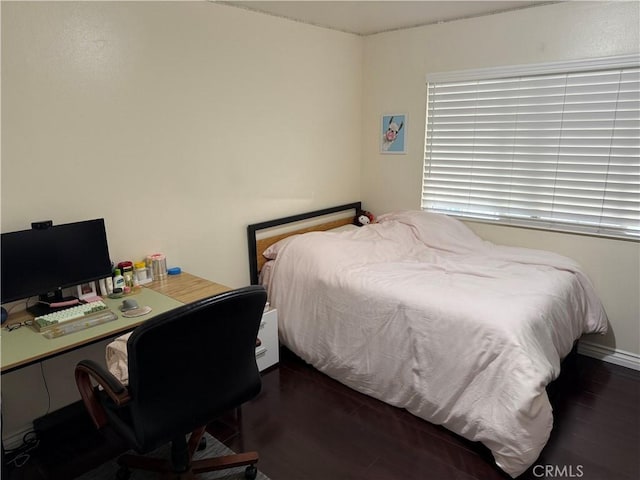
(418, 311)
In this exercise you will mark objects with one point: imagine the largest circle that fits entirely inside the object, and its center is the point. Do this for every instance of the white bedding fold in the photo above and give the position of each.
(116, 356)
(421, 313)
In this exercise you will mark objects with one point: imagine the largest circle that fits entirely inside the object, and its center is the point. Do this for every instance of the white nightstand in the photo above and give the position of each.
(267, 354)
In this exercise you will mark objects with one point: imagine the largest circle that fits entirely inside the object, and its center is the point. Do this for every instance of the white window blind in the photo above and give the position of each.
(553, 146)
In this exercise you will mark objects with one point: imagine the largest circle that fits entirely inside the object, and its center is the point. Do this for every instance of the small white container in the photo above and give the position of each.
(142, 273)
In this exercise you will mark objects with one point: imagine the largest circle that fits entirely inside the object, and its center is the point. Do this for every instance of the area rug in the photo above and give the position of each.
(107, 471)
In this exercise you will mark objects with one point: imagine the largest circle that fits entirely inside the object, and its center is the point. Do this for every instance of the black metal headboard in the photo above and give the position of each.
(254, 228)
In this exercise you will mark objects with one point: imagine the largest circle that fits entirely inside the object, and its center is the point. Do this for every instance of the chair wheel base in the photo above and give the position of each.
(251, 472)
(123, 473)
(202, 444)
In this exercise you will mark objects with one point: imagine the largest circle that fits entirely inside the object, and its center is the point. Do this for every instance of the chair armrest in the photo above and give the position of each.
(86, 370)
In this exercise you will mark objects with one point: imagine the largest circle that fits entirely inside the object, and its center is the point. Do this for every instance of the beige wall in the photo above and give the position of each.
(179, 123)
(395, 69)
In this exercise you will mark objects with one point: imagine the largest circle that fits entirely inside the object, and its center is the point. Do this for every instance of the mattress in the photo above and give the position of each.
(418, 311)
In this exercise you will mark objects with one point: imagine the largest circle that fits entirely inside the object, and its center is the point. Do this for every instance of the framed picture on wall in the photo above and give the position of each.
(393, 136)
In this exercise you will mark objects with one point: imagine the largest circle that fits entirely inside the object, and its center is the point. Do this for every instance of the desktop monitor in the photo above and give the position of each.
(44, 260)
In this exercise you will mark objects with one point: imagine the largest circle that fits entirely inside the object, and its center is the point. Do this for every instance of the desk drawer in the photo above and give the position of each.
(267, 354)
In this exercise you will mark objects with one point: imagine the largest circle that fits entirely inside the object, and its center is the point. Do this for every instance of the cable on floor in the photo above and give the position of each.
(19, 456)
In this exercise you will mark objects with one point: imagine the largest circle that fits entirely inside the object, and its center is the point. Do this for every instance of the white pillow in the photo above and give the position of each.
(272, 250)
(344, 228)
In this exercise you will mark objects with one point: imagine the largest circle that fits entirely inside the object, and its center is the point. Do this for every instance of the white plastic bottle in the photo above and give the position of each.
(118, 281)
(109, 282)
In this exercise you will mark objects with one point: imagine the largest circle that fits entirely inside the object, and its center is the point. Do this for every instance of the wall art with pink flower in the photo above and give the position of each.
(393, 134)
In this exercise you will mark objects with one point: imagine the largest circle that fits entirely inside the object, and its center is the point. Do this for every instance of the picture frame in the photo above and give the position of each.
(393, 133)
(87, 290)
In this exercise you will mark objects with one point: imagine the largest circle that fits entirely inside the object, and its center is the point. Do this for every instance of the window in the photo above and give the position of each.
(553, 146)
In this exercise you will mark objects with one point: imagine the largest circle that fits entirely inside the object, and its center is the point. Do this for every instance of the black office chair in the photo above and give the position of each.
(186, 367)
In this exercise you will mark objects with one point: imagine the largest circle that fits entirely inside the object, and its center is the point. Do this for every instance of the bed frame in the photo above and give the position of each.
(258, 246)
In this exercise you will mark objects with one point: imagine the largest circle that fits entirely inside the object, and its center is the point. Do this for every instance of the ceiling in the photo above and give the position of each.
(370, 17)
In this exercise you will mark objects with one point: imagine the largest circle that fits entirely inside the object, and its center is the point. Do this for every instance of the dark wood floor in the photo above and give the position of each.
(307, 426)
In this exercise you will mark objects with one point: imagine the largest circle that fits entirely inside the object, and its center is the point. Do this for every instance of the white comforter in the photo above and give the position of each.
(421, 313)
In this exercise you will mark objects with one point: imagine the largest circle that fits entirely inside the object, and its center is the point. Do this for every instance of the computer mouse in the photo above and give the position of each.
(128, 305)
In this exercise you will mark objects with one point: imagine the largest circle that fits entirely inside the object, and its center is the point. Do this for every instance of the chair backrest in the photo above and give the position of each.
(191, 364)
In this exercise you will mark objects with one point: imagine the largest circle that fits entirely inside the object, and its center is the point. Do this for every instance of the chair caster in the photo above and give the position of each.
(202, 444)
(123, 473)
(251, 472)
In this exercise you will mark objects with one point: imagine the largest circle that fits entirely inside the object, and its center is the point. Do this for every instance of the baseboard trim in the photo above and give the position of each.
(611, 355)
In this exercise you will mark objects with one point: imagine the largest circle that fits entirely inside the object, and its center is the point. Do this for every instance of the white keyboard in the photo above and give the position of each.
(72, 313)
(69, 320)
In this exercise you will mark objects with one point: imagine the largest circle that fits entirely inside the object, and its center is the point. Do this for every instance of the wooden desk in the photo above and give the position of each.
(25, 346)
(187, 288)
